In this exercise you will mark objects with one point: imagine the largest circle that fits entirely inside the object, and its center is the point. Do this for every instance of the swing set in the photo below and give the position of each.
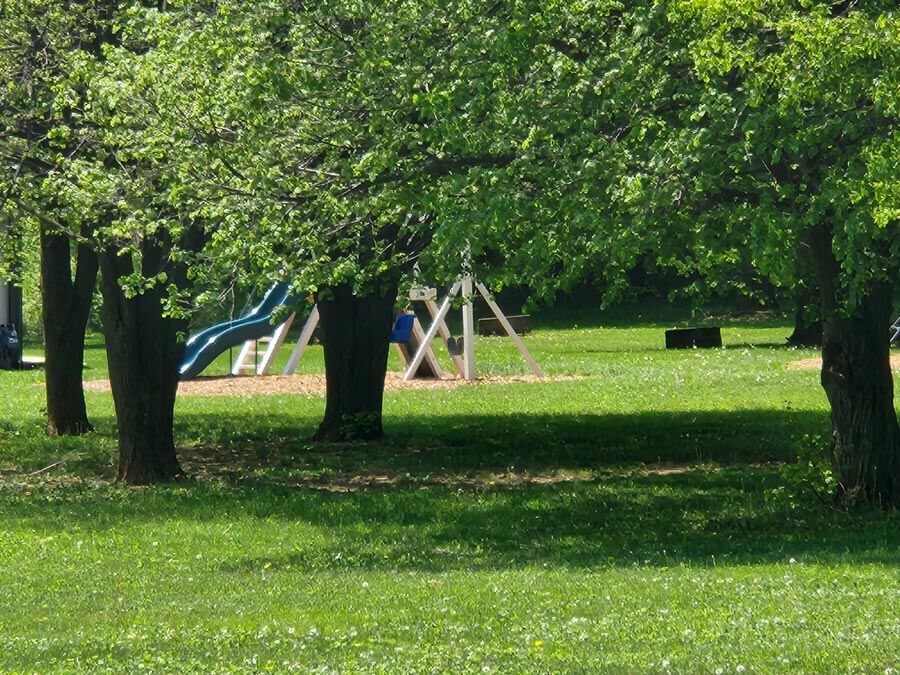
(413, 343)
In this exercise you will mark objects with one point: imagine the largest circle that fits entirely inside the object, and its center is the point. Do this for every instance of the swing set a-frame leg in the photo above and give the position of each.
(445, 334)
(431, 333)
(510, 331)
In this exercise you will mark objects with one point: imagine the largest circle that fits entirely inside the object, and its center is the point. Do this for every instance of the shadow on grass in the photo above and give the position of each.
(462, 492)
(700, 518)
(442, 443)
(446, 445)
(704, 516)
(769, 346)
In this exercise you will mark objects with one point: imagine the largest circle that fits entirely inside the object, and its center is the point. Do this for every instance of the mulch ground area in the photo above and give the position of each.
(308, 385)
(816, 364)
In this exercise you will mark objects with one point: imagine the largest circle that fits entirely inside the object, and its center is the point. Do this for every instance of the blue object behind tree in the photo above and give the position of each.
(403, 326)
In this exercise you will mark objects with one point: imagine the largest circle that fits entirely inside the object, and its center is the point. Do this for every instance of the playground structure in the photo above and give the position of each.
(413, 343)
(406, 335)
(895, 332)
(11, 326)
(202, 349)
(464, 354)
(256, 328)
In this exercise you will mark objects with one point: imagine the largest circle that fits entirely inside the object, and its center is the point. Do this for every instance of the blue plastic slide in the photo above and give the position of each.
(202, 349)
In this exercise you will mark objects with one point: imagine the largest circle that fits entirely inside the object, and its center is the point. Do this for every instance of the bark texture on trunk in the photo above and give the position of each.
(356, 333)
(856, 376)
(143, 352)
(66, 306)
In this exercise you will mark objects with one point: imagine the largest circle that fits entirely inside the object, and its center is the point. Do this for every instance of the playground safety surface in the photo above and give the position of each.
(816, 363)
(310, 384)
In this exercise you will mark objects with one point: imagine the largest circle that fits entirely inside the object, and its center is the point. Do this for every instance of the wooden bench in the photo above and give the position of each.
(690, 338)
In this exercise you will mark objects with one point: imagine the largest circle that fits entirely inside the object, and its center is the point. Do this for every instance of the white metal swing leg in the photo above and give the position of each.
(430, 356)
(430, 333)
(468, 319)
(404, 356)
(444, 332)
(302, 342)
(501, 317)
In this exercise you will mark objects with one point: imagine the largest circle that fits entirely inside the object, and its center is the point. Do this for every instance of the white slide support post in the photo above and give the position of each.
(501, 317)
(468, 319)
(430, 333)
(275, 343)
(302, 342)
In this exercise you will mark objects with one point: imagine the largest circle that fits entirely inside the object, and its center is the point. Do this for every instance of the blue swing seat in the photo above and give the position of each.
(402, 331)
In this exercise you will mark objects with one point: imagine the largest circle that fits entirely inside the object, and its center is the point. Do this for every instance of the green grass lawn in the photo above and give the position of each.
(635, 518)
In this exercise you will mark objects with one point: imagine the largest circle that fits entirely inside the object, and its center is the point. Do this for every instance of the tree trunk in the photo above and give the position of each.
(66, 306)
(143, 352)
(807, 325)
(356, 333)
(856, 376)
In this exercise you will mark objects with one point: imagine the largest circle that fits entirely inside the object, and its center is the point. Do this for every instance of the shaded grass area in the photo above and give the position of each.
(634, 519)
(465, 447)
(630, 569)
(705, 515)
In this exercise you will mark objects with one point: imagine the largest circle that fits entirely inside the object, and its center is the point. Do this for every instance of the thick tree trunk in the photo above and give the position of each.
(143, 352)
(856, 376)
(66, 306)
(356, 335)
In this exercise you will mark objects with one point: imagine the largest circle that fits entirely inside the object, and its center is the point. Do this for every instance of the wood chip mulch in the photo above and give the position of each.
(309, 385)
(816, 363)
